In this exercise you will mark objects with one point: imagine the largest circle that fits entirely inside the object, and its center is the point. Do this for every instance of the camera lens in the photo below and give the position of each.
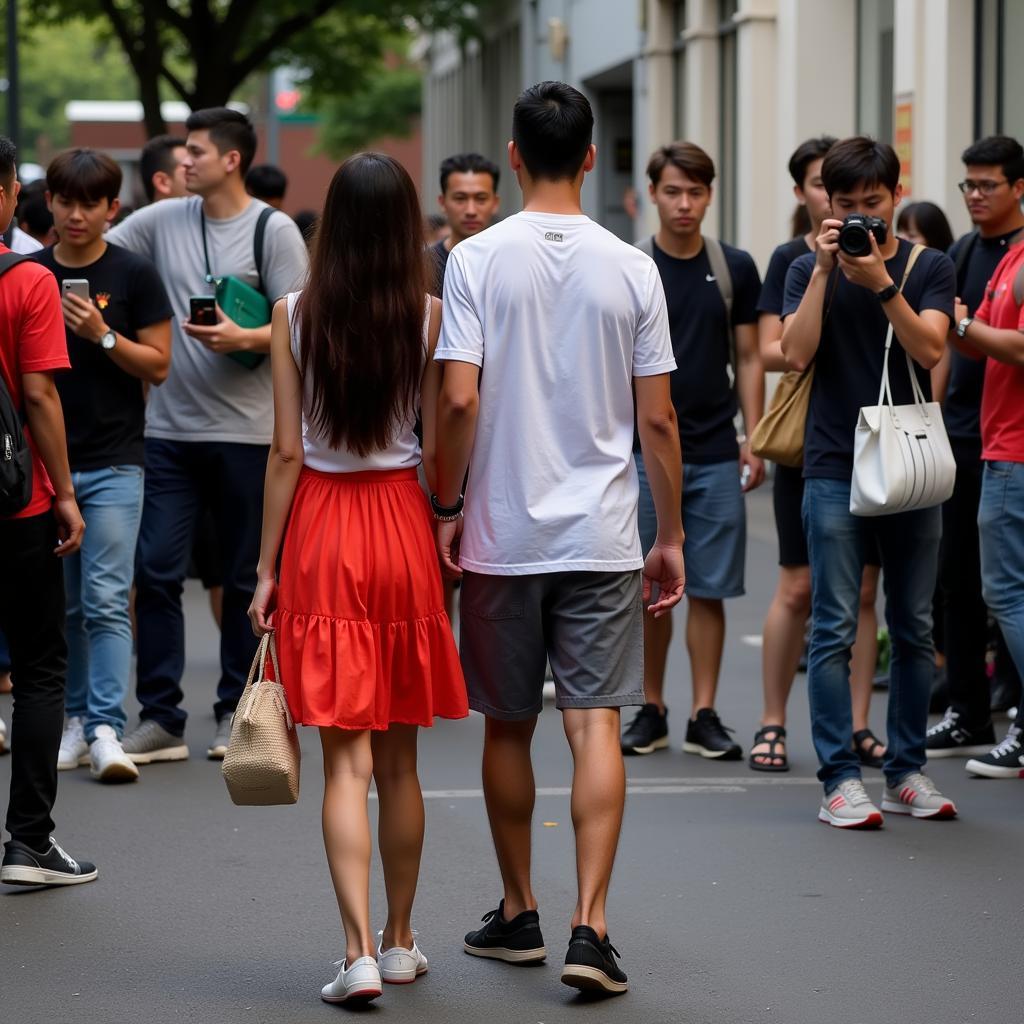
(854, 240)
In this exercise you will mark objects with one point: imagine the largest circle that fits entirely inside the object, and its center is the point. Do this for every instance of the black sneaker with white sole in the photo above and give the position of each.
(590, 964)
(647, 732)
(1005, 761)
(705, 735)
(24, 866)
(518, 941)
(950, 738)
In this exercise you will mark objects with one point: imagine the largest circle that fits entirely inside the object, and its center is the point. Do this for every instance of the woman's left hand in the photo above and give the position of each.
(261, 609)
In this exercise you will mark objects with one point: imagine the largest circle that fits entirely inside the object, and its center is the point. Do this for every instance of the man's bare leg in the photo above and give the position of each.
(705, 640)
(657, 637)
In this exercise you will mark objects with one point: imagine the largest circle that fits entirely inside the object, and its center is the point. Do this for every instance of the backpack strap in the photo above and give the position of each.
(723, 278)
(11, 259)
(1018, 287)
(963, 257)
(257, 243)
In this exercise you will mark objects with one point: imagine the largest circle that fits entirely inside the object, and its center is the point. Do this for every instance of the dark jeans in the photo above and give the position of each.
(32, 617)
(183, 478)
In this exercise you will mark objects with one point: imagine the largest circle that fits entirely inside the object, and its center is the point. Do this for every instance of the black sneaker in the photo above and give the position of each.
(24, 866)
(518, 941)
(647, 732)
(1005, 762)
(590, 964)
(705, 735)
(948, 738)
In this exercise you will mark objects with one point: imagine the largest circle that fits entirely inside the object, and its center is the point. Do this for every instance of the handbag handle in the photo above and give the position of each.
(885, 390)
(268, 645)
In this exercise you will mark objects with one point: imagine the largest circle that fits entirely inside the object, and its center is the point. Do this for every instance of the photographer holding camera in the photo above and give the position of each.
(838, 305)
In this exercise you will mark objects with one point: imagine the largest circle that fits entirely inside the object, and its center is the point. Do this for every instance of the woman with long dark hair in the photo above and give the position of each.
(366, 650)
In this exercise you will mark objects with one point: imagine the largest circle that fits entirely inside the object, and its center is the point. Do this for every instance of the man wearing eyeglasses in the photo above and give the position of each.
(993, 188)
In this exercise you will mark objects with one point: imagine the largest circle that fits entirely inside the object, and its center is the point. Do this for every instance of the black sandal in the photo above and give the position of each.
(773, 753)
(865, 743)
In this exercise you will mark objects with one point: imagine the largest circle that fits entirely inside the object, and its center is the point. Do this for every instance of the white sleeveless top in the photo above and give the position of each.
(403, 452)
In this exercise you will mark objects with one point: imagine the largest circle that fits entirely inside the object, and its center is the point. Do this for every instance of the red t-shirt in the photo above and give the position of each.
(1002, 403)
(32, 340)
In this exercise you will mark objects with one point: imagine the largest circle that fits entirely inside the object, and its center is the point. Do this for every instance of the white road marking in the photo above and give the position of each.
(753, 640)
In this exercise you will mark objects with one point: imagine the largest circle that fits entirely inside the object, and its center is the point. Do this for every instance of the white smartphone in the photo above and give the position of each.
(75, 286)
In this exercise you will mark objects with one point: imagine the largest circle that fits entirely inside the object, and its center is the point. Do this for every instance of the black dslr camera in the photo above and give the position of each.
(854, 235)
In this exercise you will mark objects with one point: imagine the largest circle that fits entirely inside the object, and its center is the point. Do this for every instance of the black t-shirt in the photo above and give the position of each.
(773, 291)
(962, 407)
(702, 391)
(104, 410)
(439, 260)
(848, 365)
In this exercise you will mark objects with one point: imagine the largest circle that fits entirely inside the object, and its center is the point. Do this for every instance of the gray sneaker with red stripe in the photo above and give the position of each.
(849, 806)
(919, 797)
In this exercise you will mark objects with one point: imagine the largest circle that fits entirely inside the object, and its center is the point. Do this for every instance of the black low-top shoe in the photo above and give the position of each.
(647, 732)
(705, 735)
(590, 964)
(518, 941)
(24, 866)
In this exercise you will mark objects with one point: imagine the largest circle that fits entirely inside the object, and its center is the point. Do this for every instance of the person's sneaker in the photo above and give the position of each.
(3, 736)
(398, 965)
(107, 760)
(24, 866)
(518, 941)
(219, 747)
(647, 732)
(849, 806)
(356, 984)
(74, 751)
(151, 742)
(919, 797)
(948, 738)
(1006, 761)
(590, 963)
(705, 735)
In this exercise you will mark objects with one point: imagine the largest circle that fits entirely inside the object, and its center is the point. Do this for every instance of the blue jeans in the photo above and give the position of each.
(183, 480)
(837, 544)
(1001, 527)
(98, 581)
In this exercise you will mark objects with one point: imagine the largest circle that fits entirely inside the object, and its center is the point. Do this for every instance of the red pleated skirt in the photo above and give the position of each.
(362, 634)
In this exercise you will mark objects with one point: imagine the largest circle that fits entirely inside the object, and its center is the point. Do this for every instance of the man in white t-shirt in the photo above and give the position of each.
(567, 319)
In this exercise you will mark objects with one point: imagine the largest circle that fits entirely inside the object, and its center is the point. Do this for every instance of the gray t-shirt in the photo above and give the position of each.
(207, 396)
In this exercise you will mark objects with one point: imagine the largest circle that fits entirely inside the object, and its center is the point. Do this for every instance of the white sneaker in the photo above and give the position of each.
(3, 736)
(918, 796)
(849, 806)
(74, 751)
(107, 759)
(400, 966)
(357, 984)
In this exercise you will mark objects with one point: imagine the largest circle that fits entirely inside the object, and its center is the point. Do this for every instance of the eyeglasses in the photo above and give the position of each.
(986, 188)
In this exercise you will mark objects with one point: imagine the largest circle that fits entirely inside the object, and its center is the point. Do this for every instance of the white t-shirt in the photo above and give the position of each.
(561, 315)
(317, 453)
(23, 243)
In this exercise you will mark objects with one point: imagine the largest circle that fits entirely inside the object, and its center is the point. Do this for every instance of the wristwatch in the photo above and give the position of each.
(108, 341)
(888, 293)
(961, 328)
(447, 513)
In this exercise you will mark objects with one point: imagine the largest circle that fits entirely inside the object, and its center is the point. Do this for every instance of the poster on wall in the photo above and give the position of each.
(903, 138)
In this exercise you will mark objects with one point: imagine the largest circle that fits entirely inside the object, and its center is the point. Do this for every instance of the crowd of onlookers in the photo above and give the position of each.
(134, 350)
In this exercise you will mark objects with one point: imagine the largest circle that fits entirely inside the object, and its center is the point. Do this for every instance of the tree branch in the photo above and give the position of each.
(175, 83)
(122, 32)
(173, 17)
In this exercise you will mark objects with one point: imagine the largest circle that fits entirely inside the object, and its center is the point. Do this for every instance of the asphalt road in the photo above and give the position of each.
(730, 902)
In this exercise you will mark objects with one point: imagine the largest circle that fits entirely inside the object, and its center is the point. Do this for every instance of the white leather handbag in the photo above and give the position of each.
(902, 459)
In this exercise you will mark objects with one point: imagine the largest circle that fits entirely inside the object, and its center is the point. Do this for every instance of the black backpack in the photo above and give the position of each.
(15, 455)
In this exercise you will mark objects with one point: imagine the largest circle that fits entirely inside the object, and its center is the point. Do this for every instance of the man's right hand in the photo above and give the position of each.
(826, 245)
(70, 526)
(664, 568)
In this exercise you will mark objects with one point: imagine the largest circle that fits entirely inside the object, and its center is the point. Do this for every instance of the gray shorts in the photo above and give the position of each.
(589, 625)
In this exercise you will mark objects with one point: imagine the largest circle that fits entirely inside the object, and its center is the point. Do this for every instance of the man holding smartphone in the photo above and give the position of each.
(118, 325)
(208, 427)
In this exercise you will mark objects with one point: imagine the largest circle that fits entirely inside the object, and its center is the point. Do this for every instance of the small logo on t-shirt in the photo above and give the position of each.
(553, 236)
(103, 299)
(709, 277)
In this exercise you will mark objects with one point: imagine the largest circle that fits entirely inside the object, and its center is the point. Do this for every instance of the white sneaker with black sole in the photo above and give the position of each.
(107, 760)
(24, 866)
(356, 984)
(74, 751)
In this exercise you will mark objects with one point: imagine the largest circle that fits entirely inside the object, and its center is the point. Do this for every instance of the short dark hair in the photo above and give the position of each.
(552, 127)
(997, 150)
(84, 174)
(32, 209)
(157, 157)
(688, 158)
(265, 181)
(8, 160)
(468, 163)
(860, 160)
(805, 154)
(229, 129)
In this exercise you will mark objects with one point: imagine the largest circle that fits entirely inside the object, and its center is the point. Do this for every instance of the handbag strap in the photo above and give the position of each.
(885, 390)
(268, 646)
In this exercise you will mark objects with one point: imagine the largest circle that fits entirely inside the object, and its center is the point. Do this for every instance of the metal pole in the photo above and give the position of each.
(13, 125)
(273, 125)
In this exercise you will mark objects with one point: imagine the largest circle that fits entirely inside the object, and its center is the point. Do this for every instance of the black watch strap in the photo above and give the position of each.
(447, 512)
(888, 293)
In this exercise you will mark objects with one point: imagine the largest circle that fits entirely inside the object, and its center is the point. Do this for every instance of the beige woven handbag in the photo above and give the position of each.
(261, 766)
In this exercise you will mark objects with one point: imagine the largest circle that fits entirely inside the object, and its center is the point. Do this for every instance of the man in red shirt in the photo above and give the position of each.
(49, 527)
(997, 331)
